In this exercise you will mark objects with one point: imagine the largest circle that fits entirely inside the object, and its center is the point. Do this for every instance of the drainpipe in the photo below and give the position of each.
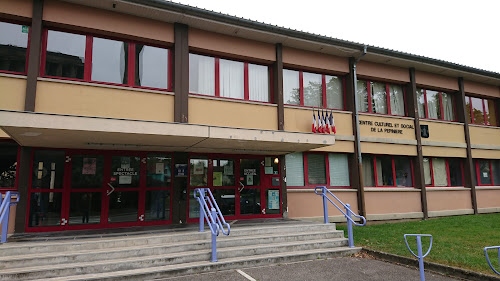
(361, 191)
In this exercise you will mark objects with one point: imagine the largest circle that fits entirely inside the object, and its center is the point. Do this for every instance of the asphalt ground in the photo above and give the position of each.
(338, 269)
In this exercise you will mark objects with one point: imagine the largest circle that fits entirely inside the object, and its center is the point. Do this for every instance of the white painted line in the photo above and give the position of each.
(245, 275)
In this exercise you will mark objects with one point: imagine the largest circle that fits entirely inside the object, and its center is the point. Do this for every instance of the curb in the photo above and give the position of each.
(431, 266)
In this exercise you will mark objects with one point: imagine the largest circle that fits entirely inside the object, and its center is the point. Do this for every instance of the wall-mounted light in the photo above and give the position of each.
(276, 160)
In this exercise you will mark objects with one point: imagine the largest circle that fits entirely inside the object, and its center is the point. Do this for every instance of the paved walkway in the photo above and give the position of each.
(338, 269)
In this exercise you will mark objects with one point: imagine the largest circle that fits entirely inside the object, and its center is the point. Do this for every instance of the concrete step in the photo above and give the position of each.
(206, 266)
(69, 256)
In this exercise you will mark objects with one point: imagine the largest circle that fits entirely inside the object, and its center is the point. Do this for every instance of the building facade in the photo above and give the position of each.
(113, 112)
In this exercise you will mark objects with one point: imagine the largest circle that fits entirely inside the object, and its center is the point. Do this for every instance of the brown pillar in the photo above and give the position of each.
(418, 168)
(22, 188)
(181, 73)
(34, 55)
(469, 164)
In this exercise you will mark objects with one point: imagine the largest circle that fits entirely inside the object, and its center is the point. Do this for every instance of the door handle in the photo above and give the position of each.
(112, 189)
(242, 187)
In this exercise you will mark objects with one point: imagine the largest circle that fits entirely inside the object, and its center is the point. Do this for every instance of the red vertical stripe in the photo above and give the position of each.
(88, 59)
(27, 51)
(448, 171)
(217, 80)
(44, 52)
(301, 87)
(323, 90)
(388, 96)
(131, 65)
(491, 172)
(246, 85)
(432, 171)
(375, 170)
(369, 93)
(441, 105)
(484, 112)
(478, 177)
(426, 108)
(327, 169)
(169, 76)
(306, 173)
(393, 171)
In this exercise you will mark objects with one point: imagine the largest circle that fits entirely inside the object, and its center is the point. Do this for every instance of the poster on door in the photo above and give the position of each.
(89, 166)
(273, 201)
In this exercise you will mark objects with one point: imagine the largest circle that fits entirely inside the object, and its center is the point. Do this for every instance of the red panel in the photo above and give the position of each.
(375, 170)
(88, 58)
(323, 90)
(217, 80)
(131, 65)
(426, 108)
(301, 87)
(441, 105)
(388, 97)
(43, 51)
(245, 83)
(369, 93)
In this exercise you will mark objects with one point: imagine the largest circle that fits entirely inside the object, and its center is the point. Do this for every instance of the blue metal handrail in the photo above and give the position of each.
(420, 256)
(488, 258)
(5, 205)
(348, 212)
(213, 215)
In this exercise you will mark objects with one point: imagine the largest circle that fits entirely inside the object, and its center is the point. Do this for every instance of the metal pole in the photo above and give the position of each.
(5, 221)
(202, 214)
(325, 207)
(349, 225)
(214, 238)
(420, 258)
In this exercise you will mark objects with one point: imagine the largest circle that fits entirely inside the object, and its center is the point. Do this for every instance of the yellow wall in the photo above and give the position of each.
(300, 120)
(387, 148)
(444, 151)
(488, 198)
(340, 146)
(485, 154)
(73, 99)
(232, 114)
(382, 202)
(13, 93)
(483, 135)
(444, 132)
(448, 200)
(308, 204)
(381, 127)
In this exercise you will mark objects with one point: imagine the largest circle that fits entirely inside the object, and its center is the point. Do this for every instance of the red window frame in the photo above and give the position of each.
(483, 100)
(27, 47)
(478, 177)
(448, 177)
(440, 93)
(327, 172)
(393, 163)
(246, 87)
(388, 97)
(323, 90)
(87, 77)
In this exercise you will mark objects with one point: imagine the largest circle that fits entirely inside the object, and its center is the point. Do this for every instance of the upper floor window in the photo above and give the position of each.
(383, 98)
(13, 47)
(443, 171)
(311, 89)
(435, 105)
(381, 170)
(218, 77)
(481, 111)
(94, 59)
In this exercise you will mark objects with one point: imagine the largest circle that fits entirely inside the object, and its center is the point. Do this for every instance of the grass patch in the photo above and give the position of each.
(458, 241)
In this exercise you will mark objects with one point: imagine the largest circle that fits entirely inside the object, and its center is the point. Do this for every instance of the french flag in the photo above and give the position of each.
(332, 123)
(314, 124)
(327, 126)
(321, 122)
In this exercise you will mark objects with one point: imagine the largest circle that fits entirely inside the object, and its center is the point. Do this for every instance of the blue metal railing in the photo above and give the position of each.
(5, 212)
(420, 256)
(488, 258)
(348, 212)
(215, 220)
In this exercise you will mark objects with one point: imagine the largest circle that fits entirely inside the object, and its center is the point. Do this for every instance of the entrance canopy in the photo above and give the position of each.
(83, 132)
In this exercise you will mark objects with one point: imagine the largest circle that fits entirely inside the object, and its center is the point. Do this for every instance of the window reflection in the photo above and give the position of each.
(65, 55)
(151, 67)
(109, 61)
(13, 46)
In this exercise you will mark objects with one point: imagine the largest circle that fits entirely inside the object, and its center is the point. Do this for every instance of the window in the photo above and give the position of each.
(13, 47)
(8, 165)
(316, 169)
(481, 111)
(314, 90)
(338, 169)
(229, 79)
(435, 105)
(93, 59)
(382, 98)
(443, 171)
(488, 172)
(379, 170)
(294, 169)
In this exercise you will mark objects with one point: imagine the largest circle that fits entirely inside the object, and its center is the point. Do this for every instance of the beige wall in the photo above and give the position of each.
(384, 131)
(485, 154)
(444, 132)
(106, 22)
(382, 202)
(313, 61)
(308, 204)
(22, 8)
(444, 151)
(387, 148)
(382, 72)
(485, 136)
(13, 93)
(481, 89)
(340, 146)
(488, 198)
(425, 79)
(87, 100)
(300, 120)
(223, 44)
(232, 114)
(448, 200)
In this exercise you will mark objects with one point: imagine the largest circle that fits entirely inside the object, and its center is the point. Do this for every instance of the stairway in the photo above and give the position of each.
(146, 255)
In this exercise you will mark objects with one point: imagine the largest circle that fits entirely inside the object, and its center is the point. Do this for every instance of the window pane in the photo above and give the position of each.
(397, 100)
(291, 91)
(484, 172)
(65, 55)
(294, 169)
(495, 168)
(157, 205)
(403, 171)
(231, 78)
(201, 75)
(313, 89)
(421, 103)
(258, 82)
(87, 171)
(467, 108)
(8, 164)
(439, 172)
(448, 107)
(384, 171)
(316, 169)
(334, 92)
(151, 67)
(368, 171)
(433, 106)
(455, 172)
(250, 201)
(250, 171)
(427, 171)
(48, 169)
(125, 171)
(109, 61)
(379, 98)
(13, 45)
(84, 208)
(491, 117)
(477, 110)
(223, 172)
(362, 93)
(339, 169)
(45, 209)
(158, 170)
(198, 172)
(226, 200)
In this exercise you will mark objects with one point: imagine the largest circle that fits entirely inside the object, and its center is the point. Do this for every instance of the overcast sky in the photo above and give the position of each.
(463, 32)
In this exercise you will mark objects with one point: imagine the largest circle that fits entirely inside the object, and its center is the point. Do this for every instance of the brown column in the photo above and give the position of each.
(181, 73)
(22, 188)
(418, 168)
(34, 55)
(356, 167)
(469, 166)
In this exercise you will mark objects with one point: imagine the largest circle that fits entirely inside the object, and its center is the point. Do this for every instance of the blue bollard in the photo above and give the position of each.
(349, 225)
(419, 251)
(214, 237)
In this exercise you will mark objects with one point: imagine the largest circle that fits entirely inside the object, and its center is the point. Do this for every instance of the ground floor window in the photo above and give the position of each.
(440, 171)
(487, 172)
(383, 170)
(8, 165)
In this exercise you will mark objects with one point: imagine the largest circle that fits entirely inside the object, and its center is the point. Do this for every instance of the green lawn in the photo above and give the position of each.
(458, 241)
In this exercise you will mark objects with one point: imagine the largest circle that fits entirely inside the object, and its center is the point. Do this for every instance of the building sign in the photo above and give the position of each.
(180, 170)
(386, 127)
